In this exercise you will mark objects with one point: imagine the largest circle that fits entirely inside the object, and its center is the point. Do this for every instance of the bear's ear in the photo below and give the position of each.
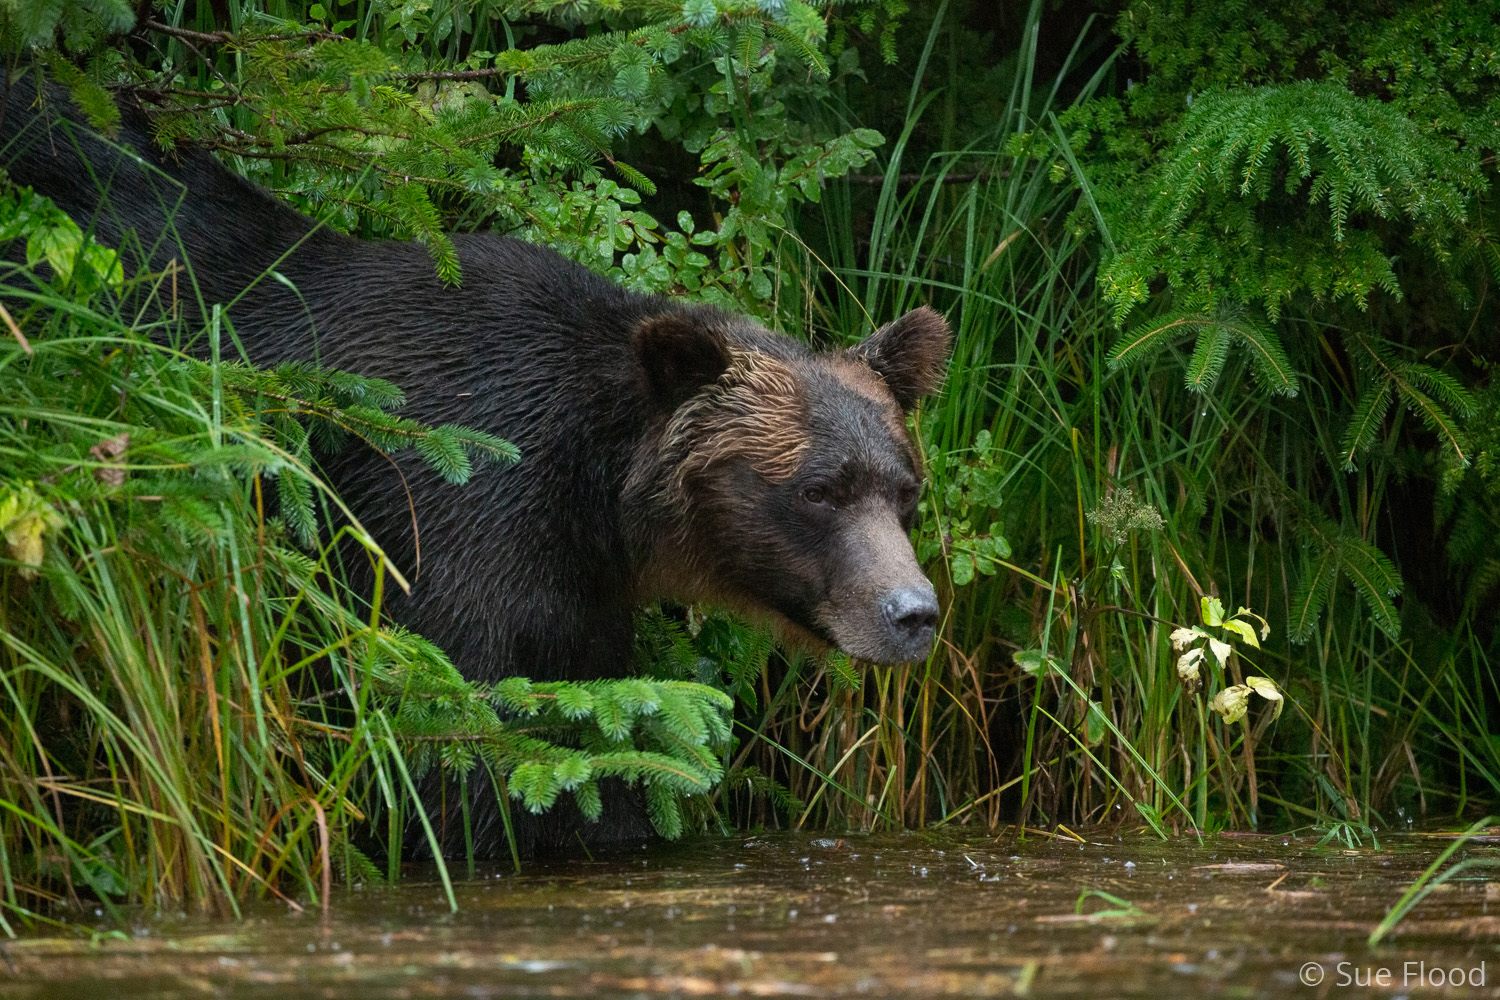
(680, 356)
(910, 353)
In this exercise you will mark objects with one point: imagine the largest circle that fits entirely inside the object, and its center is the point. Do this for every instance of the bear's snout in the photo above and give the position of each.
(911, 616)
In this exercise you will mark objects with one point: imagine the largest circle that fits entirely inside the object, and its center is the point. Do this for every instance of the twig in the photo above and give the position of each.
(456, 74)
(226, 38)
(15, 331)
(875, 179)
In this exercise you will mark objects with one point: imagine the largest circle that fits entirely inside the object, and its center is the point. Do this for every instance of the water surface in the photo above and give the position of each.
(813, 916)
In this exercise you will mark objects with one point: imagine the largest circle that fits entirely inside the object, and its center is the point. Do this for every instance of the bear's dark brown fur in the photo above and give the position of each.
(668, 450)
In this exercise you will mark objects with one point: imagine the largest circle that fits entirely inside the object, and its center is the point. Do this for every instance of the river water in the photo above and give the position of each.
(814, 916)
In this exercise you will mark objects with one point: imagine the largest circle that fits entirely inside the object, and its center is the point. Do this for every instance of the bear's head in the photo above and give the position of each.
(786, 478)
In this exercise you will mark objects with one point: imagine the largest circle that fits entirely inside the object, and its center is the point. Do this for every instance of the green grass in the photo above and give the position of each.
(197, 708)
(1035, 431)
(165, 665)
(152, 656)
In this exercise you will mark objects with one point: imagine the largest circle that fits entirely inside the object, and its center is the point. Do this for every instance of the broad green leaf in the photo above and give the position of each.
(1212, 610)
(963, 569)
(1033, 662)
(1094, 724)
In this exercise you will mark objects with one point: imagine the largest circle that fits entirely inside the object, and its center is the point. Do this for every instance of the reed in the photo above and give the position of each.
(1077, 514)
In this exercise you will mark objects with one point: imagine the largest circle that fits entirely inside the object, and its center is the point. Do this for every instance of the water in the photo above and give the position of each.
(804, 916)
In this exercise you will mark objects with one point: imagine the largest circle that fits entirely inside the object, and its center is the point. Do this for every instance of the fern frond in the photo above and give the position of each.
(1153, 336)
(1364, 424)
(586, 796)
(1207, 362)
(1436, 418)
(1268, 358)
(1311, 596)
(665, 813)
(1375, 580)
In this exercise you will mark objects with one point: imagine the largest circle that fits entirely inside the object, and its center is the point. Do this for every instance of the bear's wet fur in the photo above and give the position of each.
(667, 450)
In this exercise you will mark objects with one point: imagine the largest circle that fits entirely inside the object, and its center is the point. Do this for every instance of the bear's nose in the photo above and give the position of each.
(911, 616)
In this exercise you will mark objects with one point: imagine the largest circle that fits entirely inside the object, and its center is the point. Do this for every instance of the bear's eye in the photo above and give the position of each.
(815, 495)
(908, 495)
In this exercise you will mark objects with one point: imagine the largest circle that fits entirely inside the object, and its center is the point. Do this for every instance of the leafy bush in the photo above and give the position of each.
(197, 707)
(1221, 277)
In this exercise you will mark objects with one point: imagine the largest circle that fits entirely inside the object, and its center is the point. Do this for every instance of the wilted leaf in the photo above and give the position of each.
(1182, 638)
(1230, 703)
(1267, 689)
(1187, 665)
(1265, 626)
(111, 473)
(24, 518)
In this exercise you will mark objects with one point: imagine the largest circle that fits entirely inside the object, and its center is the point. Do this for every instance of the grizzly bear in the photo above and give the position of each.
(667, 450)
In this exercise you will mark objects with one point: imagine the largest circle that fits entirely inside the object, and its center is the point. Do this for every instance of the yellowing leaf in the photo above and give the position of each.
(1243, 630)
(24, 518)
(1187, 665)
(24, 537)
(1265, 626)
(1230, 703)
(1267, 689)
(1221, 651)
(1182, 638)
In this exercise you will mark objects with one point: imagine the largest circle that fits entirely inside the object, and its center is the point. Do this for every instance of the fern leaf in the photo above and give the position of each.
(93, 100)
(1268, 359)
(665, 813)
(1311, 596)
(653, 768)
(1209, 355)
(294, 494)
(586, 796)
(443, 450)
(1436, 418)
(842, 674)
(1152, 337)
(1375, 580)
(806, 53)
(1364, 424)
(574, 701)
(515, 694)
(1444, 388)
(679, 716)
(634, 177)
(611, 714)
(571, 771)
(535, 784)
